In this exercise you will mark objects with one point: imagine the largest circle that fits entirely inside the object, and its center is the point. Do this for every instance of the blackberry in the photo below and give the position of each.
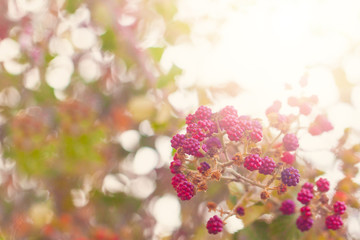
(287, 207)
(304, 223)
(267, 167)
(308, 186)
(305, 109)
(253, 162)
(304, 196)
(228, 121)
(333, 222)
(290, 142)
(240, 211)
(203, 113)
(185, 190)
(339, 207)
(177, 179)
(306, 211)
(214, 225)
(290, 176)
(256, 135)
(323, 185)
(288, 158)
(191, 146)
(235, 133)
(274, 108)
(228, 110)
(204, 167)
(177, 141)
(175, 166)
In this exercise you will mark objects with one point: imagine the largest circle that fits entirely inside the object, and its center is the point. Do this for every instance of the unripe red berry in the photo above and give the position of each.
(293, 101)
(214, 225)
(287, 207)
(177, 179)
(288, 158)
(185, 190)
(308, 186)
(323, 185)
(203, 113)
(177, 141)
(191, 146)
(339, 207)
(253, 162)
(306, 211)
(333, 222)
(305, 196)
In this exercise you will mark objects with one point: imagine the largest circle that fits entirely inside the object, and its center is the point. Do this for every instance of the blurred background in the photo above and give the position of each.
(91, 93)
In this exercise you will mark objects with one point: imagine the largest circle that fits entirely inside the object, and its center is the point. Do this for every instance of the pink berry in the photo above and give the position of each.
(267, 167)
(185, 190)
(177, 141)
(293, 101)
(175, 166)
(203, 113)
(214, 225)
(228, 110)
(339, 207)
(235, 133)
(177, 179)
(304, 223)
(333, 222)
(290, 142)
(253, 162)
(288, 158)
(287, 207)
(323, 185)
(308, 186)
(305, 109)
(305, 196)
(191, 146)
(306, 211)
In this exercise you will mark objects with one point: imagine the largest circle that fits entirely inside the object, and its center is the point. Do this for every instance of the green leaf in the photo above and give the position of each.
(284, 227)
(256, 231)
(169, 78)
(167, 9)
(72, 5)
(255, 212)
(156, 53)
(109, 40)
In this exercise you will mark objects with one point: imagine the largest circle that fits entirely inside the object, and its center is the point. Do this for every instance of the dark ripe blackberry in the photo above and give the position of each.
(204, 166)
(240, 211)
(290, 176)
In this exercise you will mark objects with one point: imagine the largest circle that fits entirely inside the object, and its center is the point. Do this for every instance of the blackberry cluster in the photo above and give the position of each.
(240, 211)
(185, 190)
(214, 225)
(288, 158)
(305, 196)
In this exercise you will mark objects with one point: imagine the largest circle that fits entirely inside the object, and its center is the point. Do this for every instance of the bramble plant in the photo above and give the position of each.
(231, 148)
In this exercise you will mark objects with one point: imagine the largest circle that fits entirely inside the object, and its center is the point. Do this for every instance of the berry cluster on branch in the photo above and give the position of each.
(224, 146)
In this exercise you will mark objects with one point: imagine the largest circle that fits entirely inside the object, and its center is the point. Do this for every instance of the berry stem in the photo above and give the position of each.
(271, 144)
(244, 179)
